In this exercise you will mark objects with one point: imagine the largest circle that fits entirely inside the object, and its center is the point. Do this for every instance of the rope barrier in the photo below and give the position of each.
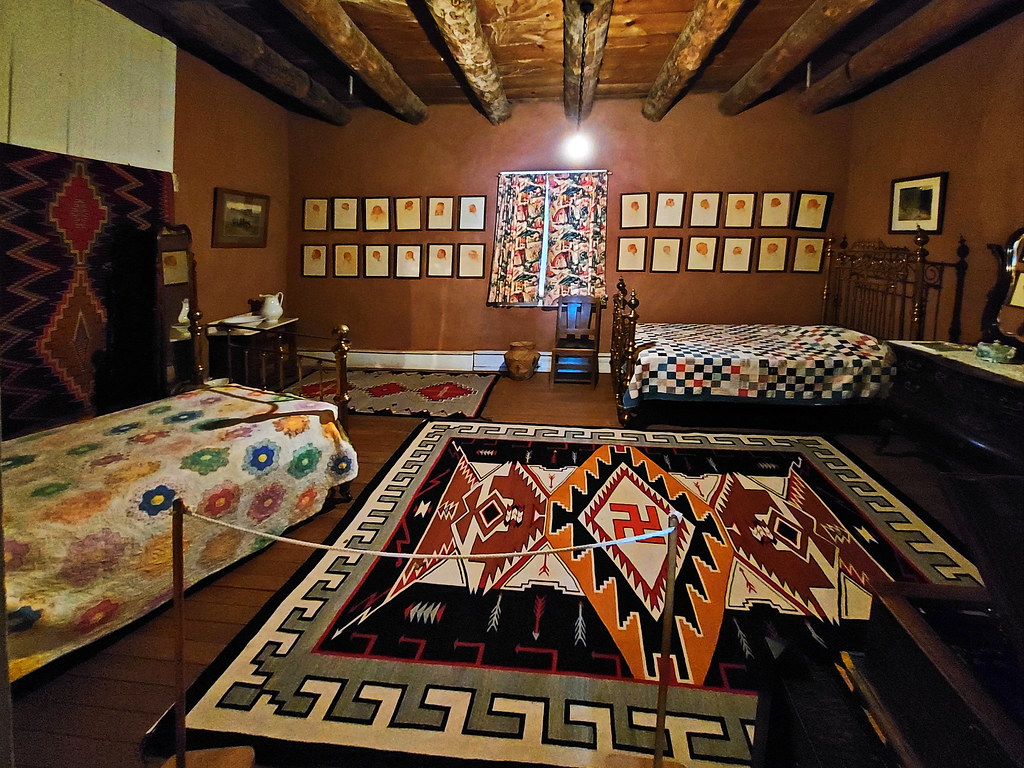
(414, 556)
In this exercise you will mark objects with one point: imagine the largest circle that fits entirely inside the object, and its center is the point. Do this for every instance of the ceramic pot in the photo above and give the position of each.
(273, 306)
(521, 360)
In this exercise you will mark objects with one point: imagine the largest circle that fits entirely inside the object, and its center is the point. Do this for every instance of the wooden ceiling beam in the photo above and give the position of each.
(577, 105)
(818, 24)
(332, 26)
(709, 21)
(930, 26)
(460, 27)
(209, 25)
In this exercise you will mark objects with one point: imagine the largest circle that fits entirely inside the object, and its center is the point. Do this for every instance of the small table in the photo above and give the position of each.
(256, 354)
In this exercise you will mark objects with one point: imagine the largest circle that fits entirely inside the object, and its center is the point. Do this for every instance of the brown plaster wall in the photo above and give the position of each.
(457, 152)
(227, 135)
(960, 113)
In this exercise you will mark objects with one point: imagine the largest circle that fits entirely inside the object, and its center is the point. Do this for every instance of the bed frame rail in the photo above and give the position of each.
(887, 291)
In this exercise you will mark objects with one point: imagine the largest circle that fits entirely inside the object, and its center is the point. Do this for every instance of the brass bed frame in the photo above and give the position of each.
(871, 287)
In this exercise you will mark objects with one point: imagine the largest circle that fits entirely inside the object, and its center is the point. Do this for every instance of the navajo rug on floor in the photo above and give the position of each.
(549, 656)
(408, 393)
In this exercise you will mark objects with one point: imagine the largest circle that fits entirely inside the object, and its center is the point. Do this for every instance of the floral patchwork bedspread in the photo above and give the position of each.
(88, 506)
(789, 363)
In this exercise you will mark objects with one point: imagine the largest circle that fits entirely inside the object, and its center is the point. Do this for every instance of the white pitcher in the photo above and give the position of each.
(273, 306)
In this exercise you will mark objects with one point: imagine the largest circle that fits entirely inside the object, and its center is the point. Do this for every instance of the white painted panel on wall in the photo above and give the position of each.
(86, 81)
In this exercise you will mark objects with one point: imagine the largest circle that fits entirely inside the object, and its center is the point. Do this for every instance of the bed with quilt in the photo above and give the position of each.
(666, 372)
(88, 506)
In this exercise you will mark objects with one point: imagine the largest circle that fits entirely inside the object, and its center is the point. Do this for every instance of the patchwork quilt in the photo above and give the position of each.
(785, 363)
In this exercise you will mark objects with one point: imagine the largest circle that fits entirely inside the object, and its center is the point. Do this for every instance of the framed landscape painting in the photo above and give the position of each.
(918, 202)
(239, 219)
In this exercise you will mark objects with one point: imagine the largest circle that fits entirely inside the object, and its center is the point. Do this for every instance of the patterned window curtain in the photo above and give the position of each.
(550, 237)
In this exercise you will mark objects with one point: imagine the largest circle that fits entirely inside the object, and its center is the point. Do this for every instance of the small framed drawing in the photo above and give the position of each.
(175, 267)
(471, 260)
(668, 209)
(918, 202)
(665, 254)
(771, 254)
(634, 211)
(239, 219)
(314, 261)
(376, 214)
(704, 209)
(775, 208)
(440, 213)
(736, 254)
(739, 209)
(346, 212)
(701, 255)
(377, 261)
(812, 209)
(471, 212)
(632, 254)
(314, 214)
(807, 254)
(407, 214)
(440, 260)
(408, 261)
(346, 260)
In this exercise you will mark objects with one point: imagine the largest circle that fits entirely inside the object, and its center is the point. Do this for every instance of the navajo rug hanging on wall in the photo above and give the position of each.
(60, 216)
(548, 655)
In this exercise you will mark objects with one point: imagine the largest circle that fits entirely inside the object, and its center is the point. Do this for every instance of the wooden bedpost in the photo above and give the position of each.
(340, 350)
(826, 292)
(195, 328)
(920, 308)
(962, 251)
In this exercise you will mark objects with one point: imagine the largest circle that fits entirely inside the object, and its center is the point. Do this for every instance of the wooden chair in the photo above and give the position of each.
(577, 339)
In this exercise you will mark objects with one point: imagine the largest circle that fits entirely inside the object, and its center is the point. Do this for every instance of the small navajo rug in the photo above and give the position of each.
(407, 393)
(549, 654)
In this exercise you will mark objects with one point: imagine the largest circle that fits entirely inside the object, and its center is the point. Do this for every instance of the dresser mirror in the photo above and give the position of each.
(1003, 318)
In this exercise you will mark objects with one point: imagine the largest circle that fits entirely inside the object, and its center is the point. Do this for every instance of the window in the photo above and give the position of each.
(550, 237)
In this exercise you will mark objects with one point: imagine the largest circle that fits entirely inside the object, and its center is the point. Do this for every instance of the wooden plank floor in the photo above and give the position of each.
(94, 713)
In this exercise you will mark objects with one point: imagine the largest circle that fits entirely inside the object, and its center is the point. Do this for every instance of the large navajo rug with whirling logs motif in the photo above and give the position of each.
(550, 655)
(407, 393)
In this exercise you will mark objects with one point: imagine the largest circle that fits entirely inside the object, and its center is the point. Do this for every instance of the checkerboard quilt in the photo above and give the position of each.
(790, 363)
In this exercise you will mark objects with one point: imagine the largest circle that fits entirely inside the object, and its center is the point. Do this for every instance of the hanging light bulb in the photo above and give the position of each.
(578, 146)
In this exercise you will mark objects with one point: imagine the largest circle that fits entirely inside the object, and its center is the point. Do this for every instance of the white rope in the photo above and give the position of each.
(412, 556)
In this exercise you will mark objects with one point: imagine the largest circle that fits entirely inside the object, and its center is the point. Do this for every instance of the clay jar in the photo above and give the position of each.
(521, 360)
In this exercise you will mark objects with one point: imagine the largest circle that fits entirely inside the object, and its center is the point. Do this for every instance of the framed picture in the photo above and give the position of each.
(775, 208)
(314, 214)
(346, 261)
(771, 254)
(701, 255)
(376, 214)
(739, 209)
(736, 254)
(668, 209)
(346, 212)
(665, 254)
(377, 261)
(408, 214)
(632, 254)
(918, 202)
(812, 210)
(704, 209)
(471, 212)
(808, 253)
(239, 219)
(440, 260)
(634, 211)
(174, 265)
(440, 213)
(314, 261)
(471, 260)
(408, 261)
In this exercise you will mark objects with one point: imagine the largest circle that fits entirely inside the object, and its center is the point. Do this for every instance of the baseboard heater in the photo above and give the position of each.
(470, 360)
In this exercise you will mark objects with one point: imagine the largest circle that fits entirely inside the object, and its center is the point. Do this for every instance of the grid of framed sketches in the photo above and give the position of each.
(399, 257)
(762, 248)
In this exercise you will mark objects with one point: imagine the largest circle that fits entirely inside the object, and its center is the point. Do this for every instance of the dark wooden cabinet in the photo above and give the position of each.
(945, 393)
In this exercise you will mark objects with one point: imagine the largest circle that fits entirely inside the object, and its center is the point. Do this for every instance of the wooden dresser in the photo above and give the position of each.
(945, 392)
